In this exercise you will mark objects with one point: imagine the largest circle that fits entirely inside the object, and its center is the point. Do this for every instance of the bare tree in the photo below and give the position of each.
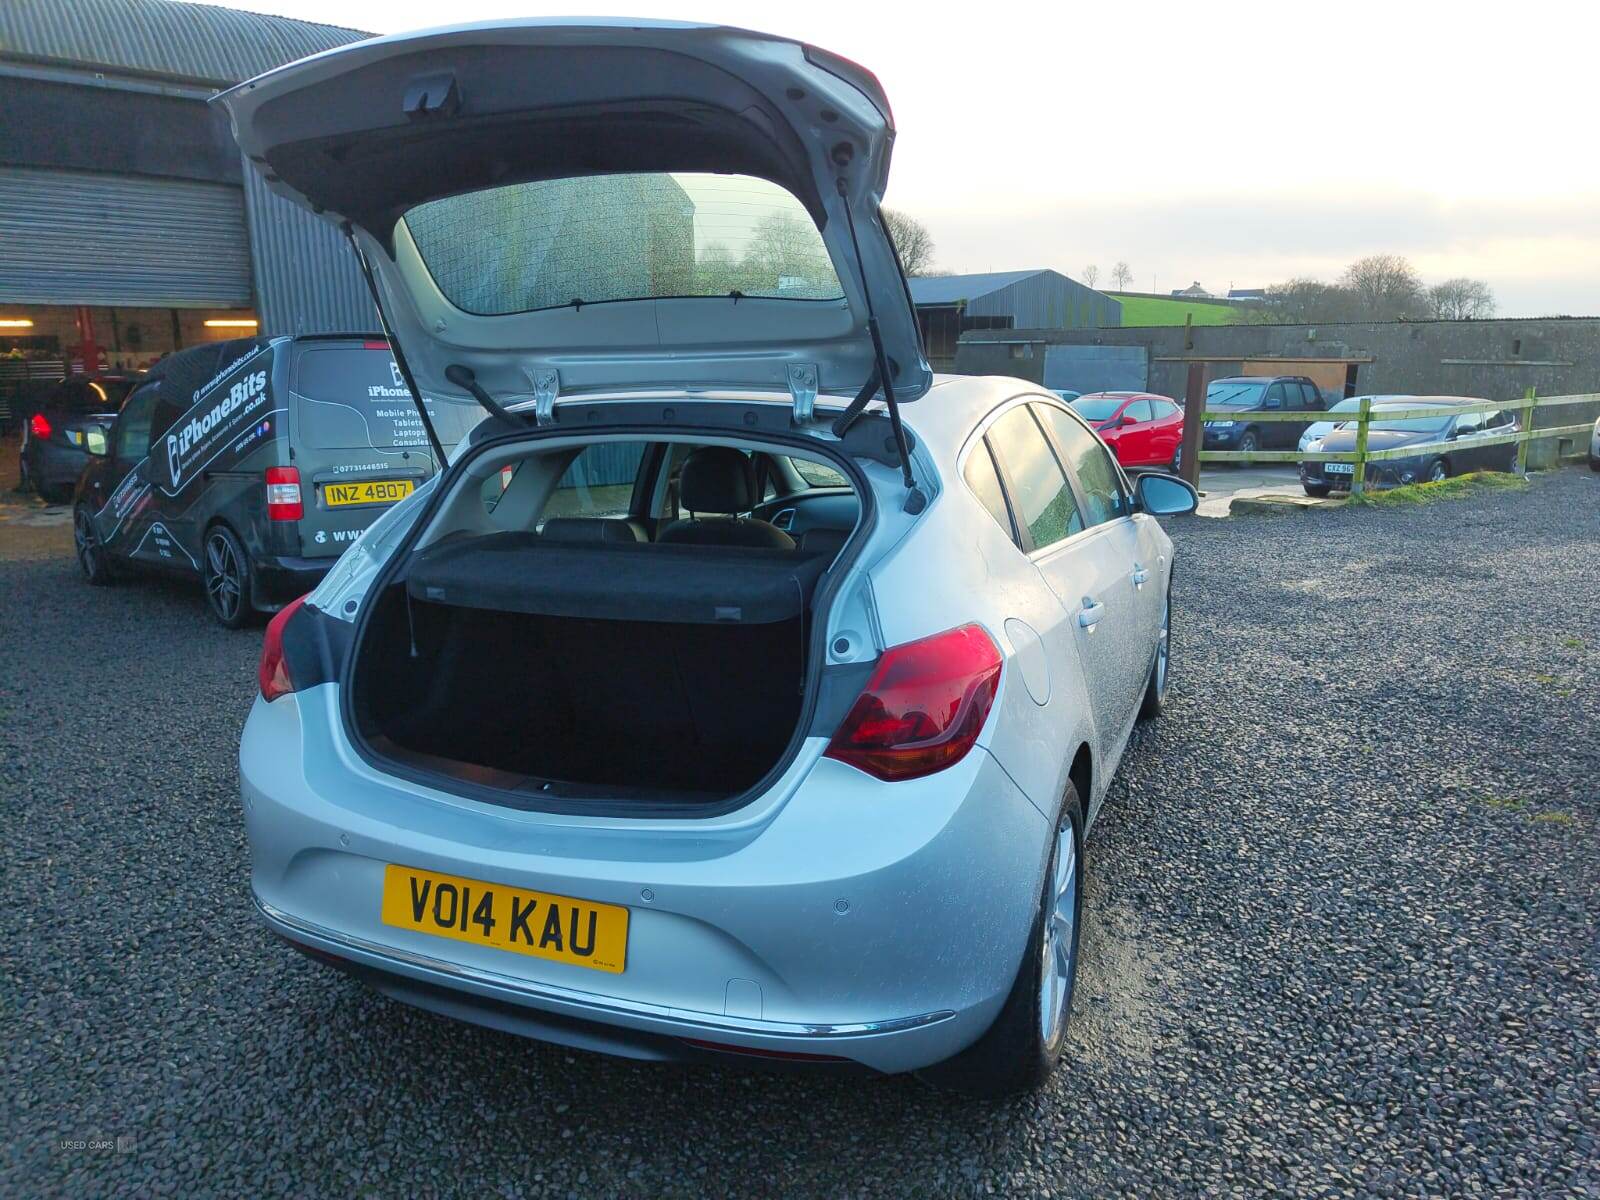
(1461, 299)
(1121, 276)
(1090, 274)
(1386, 288)
(911, 239)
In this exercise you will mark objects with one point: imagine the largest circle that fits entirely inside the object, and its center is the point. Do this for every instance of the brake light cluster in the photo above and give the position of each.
(924, 706)
(39, 425)
(272, 674)
(283, 494)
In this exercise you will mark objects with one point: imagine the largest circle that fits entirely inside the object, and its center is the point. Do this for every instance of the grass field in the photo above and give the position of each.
(1151, 310)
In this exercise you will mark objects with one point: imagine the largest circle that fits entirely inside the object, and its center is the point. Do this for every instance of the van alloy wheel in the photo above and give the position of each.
(91, 555)
(224, 577)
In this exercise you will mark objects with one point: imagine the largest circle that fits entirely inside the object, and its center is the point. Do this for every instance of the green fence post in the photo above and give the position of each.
(1358, 477)
(1527, 431)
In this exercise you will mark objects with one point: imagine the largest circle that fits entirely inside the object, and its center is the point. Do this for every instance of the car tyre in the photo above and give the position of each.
(1155, 688)
(226, 573)
(1176, 465)
(1594, 463)
(1438, 471)
(1249, 443)
(1025, 1042)
(92, 556)
(1319, 490)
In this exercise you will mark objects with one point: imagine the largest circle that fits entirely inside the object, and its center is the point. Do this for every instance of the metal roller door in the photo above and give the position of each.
(69, 237)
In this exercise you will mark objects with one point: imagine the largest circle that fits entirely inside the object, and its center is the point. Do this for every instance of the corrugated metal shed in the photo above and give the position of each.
(307, 280)
(194, 42)
(1041, 299)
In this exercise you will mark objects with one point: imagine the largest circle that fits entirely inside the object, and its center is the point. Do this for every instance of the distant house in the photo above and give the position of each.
(1256, 294)
(949, 305)
(1193, 292)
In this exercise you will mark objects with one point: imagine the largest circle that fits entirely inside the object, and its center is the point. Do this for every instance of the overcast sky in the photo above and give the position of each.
(1233, 143)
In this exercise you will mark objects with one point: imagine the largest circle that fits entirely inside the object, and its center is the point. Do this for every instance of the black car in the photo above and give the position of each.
(56, 434)
(1454, 445)
(1247, 394)
(252, 464)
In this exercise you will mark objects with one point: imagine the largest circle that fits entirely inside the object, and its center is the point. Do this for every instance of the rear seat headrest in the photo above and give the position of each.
(717, 479)
(590, 530)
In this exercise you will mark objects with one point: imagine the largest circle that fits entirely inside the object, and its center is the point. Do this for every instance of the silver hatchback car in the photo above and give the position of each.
(741, 688)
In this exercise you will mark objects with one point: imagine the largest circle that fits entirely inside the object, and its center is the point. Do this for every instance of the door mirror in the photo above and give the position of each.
(96, 440)
(1165, 495)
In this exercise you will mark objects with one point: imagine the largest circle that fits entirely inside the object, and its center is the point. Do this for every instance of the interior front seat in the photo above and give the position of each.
(721, 480)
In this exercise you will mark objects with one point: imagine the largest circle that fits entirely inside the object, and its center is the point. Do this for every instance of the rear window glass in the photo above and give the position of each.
(1097, 408)
(598, 238)
(349, 398)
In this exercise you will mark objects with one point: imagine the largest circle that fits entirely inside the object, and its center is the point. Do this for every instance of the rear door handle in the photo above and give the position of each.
(1091, 612)
(1140, 575)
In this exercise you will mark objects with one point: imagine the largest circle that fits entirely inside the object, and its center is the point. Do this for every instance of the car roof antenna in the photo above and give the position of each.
(440, 459)
(915, 500)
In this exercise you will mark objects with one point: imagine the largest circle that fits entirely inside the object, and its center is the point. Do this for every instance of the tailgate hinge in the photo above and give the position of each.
(546, 387)
(803, 387)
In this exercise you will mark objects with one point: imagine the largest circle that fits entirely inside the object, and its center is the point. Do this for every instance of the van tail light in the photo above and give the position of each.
(924, 706)
(39, 425)
(283, 494)
(273, 672)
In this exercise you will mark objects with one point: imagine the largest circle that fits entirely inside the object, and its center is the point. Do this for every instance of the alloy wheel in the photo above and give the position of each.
(1059, 944)
(1162, 649)
(222, 576)
(1438, 473)
(85, 544)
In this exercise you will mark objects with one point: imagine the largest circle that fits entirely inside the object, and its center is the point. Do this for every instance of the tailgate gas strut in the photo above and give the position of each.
(915, 500)
(394, 348)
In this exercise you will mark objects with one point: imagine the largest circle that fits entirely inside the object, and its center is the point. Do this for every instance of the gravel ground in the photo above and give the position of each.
(1342, 922)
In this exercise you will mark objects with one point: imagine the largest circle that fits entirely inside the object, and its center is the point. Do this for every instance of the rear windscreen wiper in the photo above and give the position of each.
(463, 377)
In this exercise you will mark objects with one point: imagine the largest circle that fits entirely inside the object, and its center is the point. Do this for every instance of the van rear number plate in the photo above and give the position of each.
(584, 933)
(371, 491)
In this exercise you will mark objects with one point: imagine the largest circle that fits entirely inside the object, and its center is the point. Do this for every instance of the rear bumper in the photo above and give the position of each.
(836, 916)
(278, 579)
(53, 466)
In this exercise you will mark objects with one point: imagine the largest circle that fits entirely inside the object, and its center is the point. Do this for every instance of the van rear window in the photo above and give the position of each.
(352, 397)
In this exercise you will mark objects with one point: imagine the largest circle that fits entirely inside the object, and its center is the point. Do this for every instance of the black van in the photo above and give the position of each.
(253, 464)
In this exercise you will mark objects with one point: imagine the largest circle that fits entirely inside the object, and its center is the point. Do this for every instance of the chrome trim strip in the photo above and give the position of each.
(586, 1003)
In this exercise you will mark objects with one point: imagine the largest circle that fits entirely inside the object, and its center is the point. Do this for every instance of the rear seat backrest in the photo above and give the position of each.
(593, 529)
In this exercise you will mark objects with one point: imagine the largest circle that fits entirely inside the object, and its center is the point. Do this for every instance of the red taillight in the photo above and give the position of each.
(273, 672)
(283, 494)
(924, 706)
(39, 426)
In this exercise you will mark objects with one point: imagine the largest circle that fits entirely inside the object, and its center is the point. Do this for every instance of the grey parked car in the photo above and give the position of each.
(741, 689)
(1446, 445)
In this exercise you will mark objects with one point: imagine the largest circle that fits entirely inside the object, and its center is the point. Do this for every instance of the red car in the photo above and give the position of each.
(1142, 429)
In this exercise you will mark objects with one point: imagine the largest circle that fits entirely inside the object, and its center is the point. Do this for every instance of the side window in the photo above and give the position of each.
(133, 425)
(164, 417)
(818, 474)
(1039, 489)
(1139, 410)
(985, 484)
(1468, 423)
(1274, 397)
(1103, 498)
(598, 483)
(1164, 409)
(1497, 420)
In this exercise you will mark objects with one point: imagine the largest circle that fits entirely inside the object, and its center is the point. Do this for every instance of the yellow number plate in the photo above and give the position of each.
(559, 928)
(371, 491)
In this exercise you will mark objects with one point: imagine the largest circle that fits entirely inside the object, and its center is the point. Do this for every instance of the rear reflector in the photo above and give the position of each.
(924, 706)
(38, 426)
(783, 1055)
(272, 674)
(283, 494)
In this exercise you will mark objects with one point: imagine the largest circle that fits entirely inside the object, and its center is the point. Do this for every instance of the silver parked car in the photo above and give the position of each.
(741, 688)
